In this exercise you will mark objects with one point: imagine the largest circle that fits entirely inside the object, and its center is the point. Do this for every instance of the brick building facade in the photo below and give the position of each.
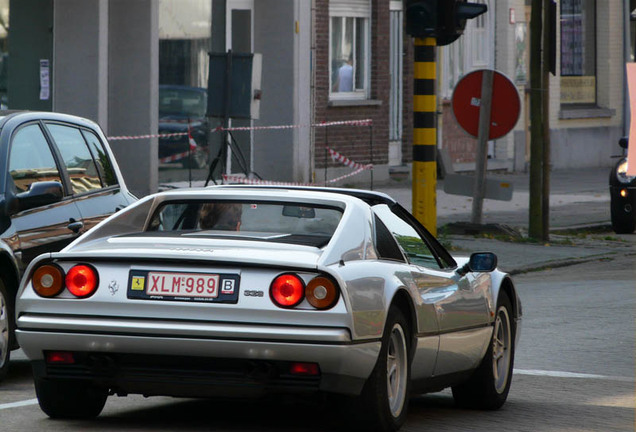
(354, 142)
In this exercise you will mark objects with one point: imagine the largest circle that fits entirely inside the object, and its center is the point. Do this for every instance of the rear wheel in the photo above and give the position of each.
(69, 399)
(489, 386)
(383, 404)
(5, 330)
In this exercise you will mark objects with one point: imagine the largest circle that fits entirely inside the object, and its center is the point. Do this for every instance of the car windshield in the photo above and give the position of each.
(182, 102)
(303, 224)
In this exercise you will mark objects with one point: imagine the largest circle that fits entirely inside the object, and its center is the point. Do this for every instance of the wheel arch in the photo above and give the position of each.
(9, 273)
(508, 288)
(402, 300)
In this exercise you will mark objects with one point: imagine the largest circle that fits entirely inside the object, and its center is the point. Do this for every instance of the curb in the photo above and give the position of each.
(558, 263)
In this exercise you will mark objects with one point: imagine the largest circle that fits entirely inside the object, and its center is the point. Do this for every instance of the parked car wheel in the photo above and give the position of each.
(489, 386)
(5, 331)
(383, 403)
(69, 399)
(622, 221)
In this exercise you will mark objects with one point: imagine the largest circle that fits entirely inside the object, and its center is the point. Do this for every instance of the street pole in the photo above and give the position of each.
(425, 134)
(545, 202)
(485, 105)
(535, 223)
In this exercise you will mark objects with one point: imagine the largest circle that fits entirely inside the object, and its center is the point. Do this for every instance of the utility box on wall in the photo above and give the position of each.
(234, 85)
(30, 55)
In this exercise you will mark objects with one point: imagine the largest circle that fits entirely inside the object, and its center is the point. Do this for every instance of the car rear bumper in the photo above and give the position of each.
(196, 359)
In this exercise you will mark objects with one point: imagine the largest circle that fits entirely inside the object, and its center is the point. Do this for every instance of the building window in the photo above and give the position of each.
(481, 39)
(578, 52)
(349, 50)
(184, 41)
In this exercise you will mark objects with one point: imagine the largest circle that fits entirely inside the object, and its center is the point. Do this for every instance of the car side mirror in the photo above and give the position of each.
(480, 262)
(623, 142)
(40, 194)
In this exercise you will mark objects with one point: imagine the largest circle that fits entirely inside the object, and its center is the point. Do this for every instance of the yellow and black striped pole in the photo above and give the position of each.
(425, 134)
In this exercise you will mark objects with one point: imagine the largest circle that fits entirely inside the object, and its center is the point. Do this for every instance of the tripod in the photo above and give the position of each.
(229, 144)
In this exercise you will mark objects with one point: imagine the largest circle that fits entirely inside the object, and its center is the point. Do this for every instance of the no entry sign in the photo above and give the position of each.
(505, 108)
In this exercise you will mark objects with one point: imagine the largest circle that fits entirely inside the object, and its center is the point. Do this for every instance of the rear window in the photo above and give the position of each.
(304, 224)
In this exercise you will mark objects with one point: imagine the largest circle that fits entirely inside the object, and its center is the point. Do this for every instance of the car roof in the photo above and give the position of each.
(370, 197)
(25, 115)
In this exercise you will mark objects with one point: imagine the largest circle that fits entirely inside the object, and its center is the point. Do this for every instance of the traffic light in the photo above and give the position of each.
(444, 20)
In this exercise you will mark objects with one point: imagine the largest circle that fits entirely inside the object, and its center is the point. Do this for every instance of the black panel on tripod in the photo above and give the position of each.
(239, 91)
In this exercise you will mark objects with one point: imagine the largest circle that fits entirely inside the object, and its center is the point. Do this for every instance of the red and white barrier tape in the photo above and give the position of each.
(174, 157)
(133, 137)
(364, 122)
(244, 180)
(343, 159)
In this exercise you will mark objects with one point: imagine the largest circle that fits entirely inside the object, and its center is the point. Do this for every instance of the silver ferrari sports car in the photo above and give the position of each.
(251, 290)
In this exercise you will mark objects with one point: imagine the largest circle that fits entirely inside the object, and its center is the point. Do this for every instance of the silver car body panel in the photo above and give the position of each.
(452, 313)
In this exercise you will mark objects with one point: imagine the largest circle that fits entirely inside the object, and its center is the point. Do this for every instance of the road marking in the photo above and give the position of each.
(532, 372)
(558, 374)
(19, 404)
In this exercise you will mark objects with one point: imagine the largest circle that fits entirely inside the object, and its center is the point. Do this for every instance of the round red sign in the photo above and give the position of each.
(505, 109)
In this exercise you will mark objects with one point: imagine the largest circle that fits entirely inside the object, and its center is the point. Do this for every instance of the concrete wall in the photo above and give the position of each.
(81, 59)
(133, 70)
(302, 91)
(273, 149)
(585, 147)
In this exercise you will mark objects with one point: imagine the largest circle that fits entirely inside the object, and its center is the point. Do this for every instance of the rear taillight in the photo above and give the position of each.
(59, 357)
(307, 369)
(287, 290)
(48, 280)
(321, 292)
(82, 280)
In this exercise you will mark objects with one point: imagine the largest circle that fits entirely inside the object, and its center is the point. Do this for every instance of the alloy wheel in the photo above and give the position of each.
(501, 353)
(396, 370)
(4, 329)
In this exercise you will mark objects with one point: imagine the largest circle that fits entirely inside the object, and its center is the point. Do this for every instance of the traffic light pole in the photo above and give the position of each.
(425, 134)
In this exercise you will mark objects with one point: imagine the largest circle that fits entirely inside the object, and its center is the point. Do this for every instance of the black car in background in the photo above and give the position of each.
(622, 196)
(58, 178)
(181, 107)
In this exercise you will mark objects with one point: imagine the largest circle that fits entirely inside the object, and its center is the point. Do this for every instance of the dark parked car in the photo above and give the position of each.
(181, 107)
(59, 179)
(622, 196)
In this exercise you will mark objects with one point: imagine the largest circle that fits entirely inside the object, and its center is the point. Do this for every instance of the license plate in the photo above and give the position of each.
(183, 286)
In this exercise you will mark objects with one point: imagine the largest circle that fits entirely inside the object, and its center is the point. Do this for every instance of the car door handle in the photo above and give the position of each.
(75, 226)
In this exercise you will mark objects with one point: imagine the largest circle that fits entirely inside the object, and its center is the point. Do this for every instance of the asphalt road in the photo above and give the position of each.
(574, 372)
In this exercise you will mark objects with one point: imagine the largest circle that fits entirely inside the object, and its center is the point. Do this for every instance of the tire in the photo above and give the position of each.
(383, 404)
(69, 399)
(488, 387)
(6, 330)
(622, 223)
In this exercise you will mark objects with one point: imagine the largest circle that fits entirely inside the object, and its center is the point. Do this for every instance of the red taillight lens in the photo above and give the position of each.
(321, 292)
(287, 290)
(48, 280)
(304, 369)
(59, 357)
(82, 280)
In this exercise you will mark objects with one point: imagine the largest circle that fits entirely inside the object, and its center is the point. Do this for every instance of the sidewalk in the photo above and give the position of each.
(579, 221)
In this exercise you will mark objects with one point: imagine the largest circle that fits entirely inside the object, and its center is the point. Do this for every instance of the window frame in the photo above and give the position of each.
(62, 164)
(444, 260)
(358, 10)
(57, 159)
(589, 15)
